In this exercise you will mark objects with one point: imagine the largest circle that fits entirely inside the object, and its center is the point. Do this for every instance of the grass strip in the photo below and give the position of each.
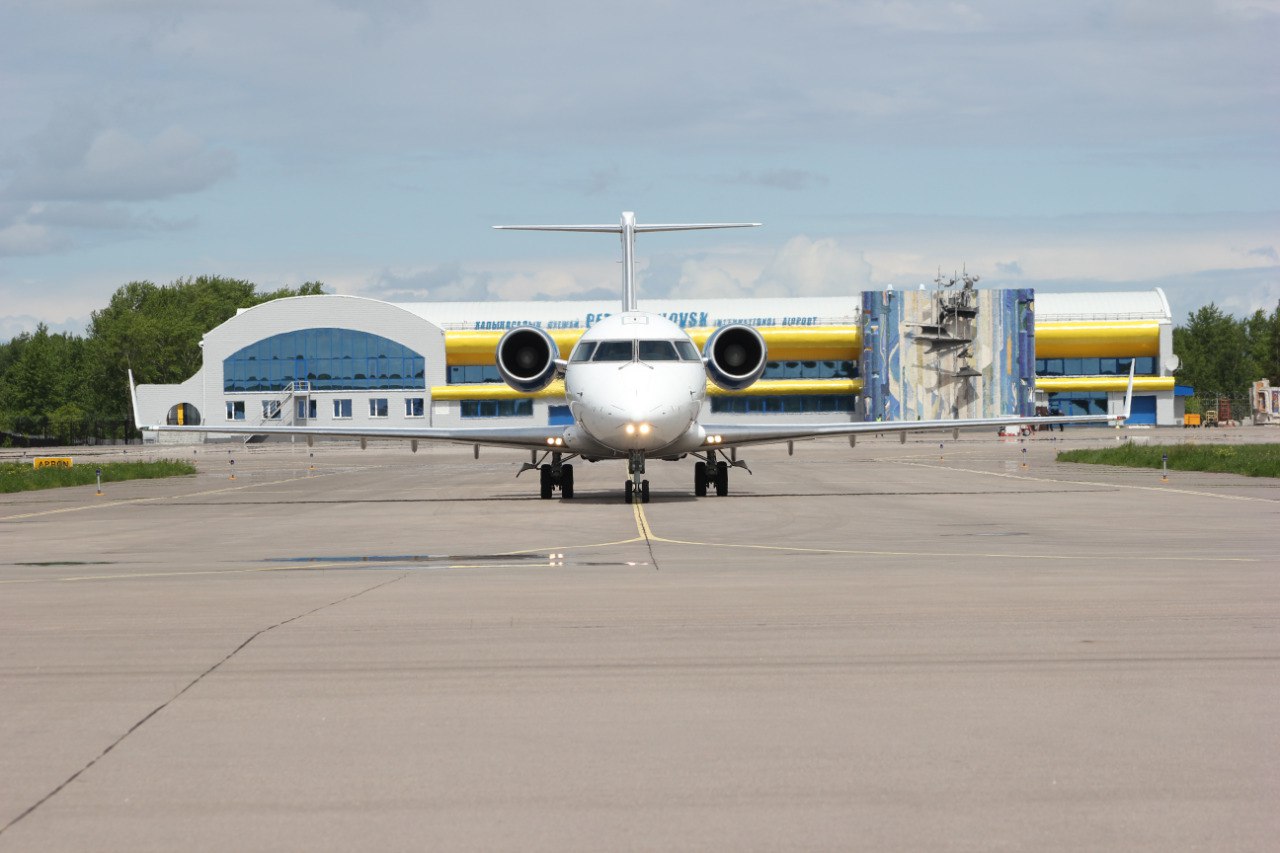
(19, 477)
(1252, 460)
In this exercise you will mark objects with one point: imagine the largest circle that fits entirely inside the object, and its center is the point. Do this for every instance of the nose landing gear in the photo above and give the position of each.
(636, 488)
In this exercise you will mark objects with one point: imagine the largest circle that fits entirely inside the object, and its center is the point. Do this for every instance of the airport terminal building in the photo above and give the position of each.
(889, 355)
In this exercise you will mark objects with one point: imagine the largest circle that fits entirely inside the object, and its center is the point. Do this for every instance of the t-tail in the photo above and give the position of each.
(628, 228)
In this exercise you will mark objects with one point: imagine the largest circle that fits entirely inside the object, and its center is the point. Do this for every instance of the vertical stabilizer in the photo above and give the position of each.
(628, 229)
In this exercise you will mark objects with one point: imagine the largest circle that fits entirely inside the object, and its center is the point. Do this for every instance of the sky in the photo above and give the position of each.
(370, 144)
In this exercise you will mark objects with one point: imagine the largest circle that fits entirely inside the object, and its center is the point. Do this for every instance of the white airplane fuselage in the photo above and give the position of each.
(643, 399)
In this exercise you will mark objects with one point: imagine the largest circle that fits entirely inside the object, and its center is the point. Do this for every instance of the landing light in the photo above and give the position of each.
(555, 441)
(714, 439)
(644, 429)
(631, 429)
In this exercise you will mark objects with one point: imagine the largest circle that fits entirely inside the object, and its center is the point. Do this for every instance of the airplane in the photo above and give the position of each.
(635, 384)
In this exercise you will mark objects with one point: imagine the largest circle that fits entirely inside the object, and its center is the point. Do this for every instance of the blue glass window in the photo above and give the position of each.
(751, 404)
(473, 374)
(342, 408)
(413, 407)
(1094, 366)
(810, 370)
(330, 359)
(306, 409)
(378, 407)
(1078, 403)
(235, 410)
(497, 408)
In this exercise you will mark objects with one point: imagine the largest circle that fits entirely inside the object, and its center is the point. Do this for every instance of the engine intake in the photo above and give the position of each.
(735, 356)
(526, 358)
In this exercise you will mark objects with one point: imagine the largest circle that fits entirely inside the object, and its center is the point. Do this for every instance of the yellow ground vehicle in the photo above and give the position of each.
(1190, 421)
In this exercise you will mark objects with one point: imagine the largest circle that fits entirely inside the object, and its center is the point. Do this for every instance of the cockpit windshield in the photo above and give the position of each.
(643, 350)
(688, 351)
(657, 351)
(614, 351)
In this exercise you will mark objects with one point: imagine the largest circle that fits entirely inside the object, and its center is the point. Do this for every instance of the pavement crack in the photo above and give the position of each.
(140, 723)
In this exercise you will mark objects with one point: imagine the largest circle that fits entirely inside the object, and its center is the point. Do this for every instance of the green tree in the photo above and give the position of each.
(1263, 333)
(1214, 349)
(41, 373)
(156, 330)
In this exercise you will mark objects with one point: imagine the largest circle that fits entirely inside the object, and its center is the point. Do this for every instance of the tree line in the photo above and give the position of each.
(1221, 356)
(74, 389)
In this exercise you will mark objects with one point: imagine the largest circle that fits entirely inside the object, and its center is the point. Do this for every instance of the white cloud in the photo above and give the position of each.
(813, 268)
(77, 160)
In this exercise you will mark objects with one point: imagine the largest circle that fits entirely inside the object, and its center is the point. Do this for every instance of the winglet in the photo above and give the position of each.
(1128, 394)
(133, 398)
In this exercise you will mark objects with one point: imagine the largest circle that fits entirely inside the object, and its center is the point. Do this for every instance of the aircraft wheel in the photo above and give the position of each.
(700, 479)
(566, 481)
(629, 492)
(722, 478)
(547, 486)
(644, 491)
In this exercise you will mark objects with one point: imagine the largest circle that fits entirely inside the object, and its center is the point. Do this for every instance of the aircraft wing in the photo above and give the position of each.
(737, 435)
(526, 438)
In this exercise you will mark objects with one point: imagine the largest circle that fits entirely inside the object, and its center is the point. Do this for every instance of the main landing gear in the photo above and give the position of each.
(556, 475)
(709, 473)
(636, 489)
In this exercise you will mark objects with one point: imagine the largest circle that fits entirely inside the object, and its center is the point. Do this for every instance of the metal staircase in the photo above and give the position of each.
(287, 406)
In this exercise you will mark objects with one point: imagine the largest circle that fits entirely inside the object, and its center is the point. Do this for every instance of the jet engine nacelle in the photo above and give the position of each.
(528, 359)
(735, 357)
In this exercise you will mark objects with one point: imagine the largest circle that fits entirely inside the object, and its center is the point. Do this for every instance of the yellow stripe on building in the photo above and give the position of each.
(495, 391)
(467, 347)
(787, 387)
(1119, 339)
(1055, 384)
(765, 387)
(785, 343)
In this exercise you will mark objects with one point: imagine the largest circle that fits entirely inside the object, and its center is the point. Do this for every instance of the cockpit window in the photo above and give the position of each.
(657, 351)
(688, 351)
(584, 351)
(614, 351)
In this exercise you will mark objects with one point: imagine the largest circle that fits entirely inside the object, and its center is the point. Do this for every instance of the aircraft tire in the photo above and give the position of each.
(629, 492)
(644, 491)
(722, 479)
(545, 481)
(566, 482)
(700, 479)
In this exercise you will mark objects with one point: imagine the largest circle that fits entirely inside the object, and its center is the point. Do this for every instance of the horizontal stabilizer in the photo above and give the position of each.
(628, 228)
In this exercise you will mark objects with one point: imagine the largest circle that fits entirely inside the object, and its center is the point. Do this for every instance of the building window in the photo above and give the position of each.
(306, 409)
(473, 374)
(497, 408)
(235, 410)
(328, 359)
(1078, 403)
(810, 370)
(779, 404)
(342, 409)
(377, 407)
(271, 410)
(413, 407)
(1095, 366)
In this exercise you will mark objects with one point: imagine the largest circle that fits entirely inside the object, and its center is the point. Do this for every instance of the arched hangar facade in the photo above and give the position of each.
(354, 361)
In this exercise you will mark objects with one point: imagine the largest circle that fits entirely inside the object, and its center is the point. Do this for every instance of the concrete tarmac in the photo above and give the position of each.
(892, 647)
